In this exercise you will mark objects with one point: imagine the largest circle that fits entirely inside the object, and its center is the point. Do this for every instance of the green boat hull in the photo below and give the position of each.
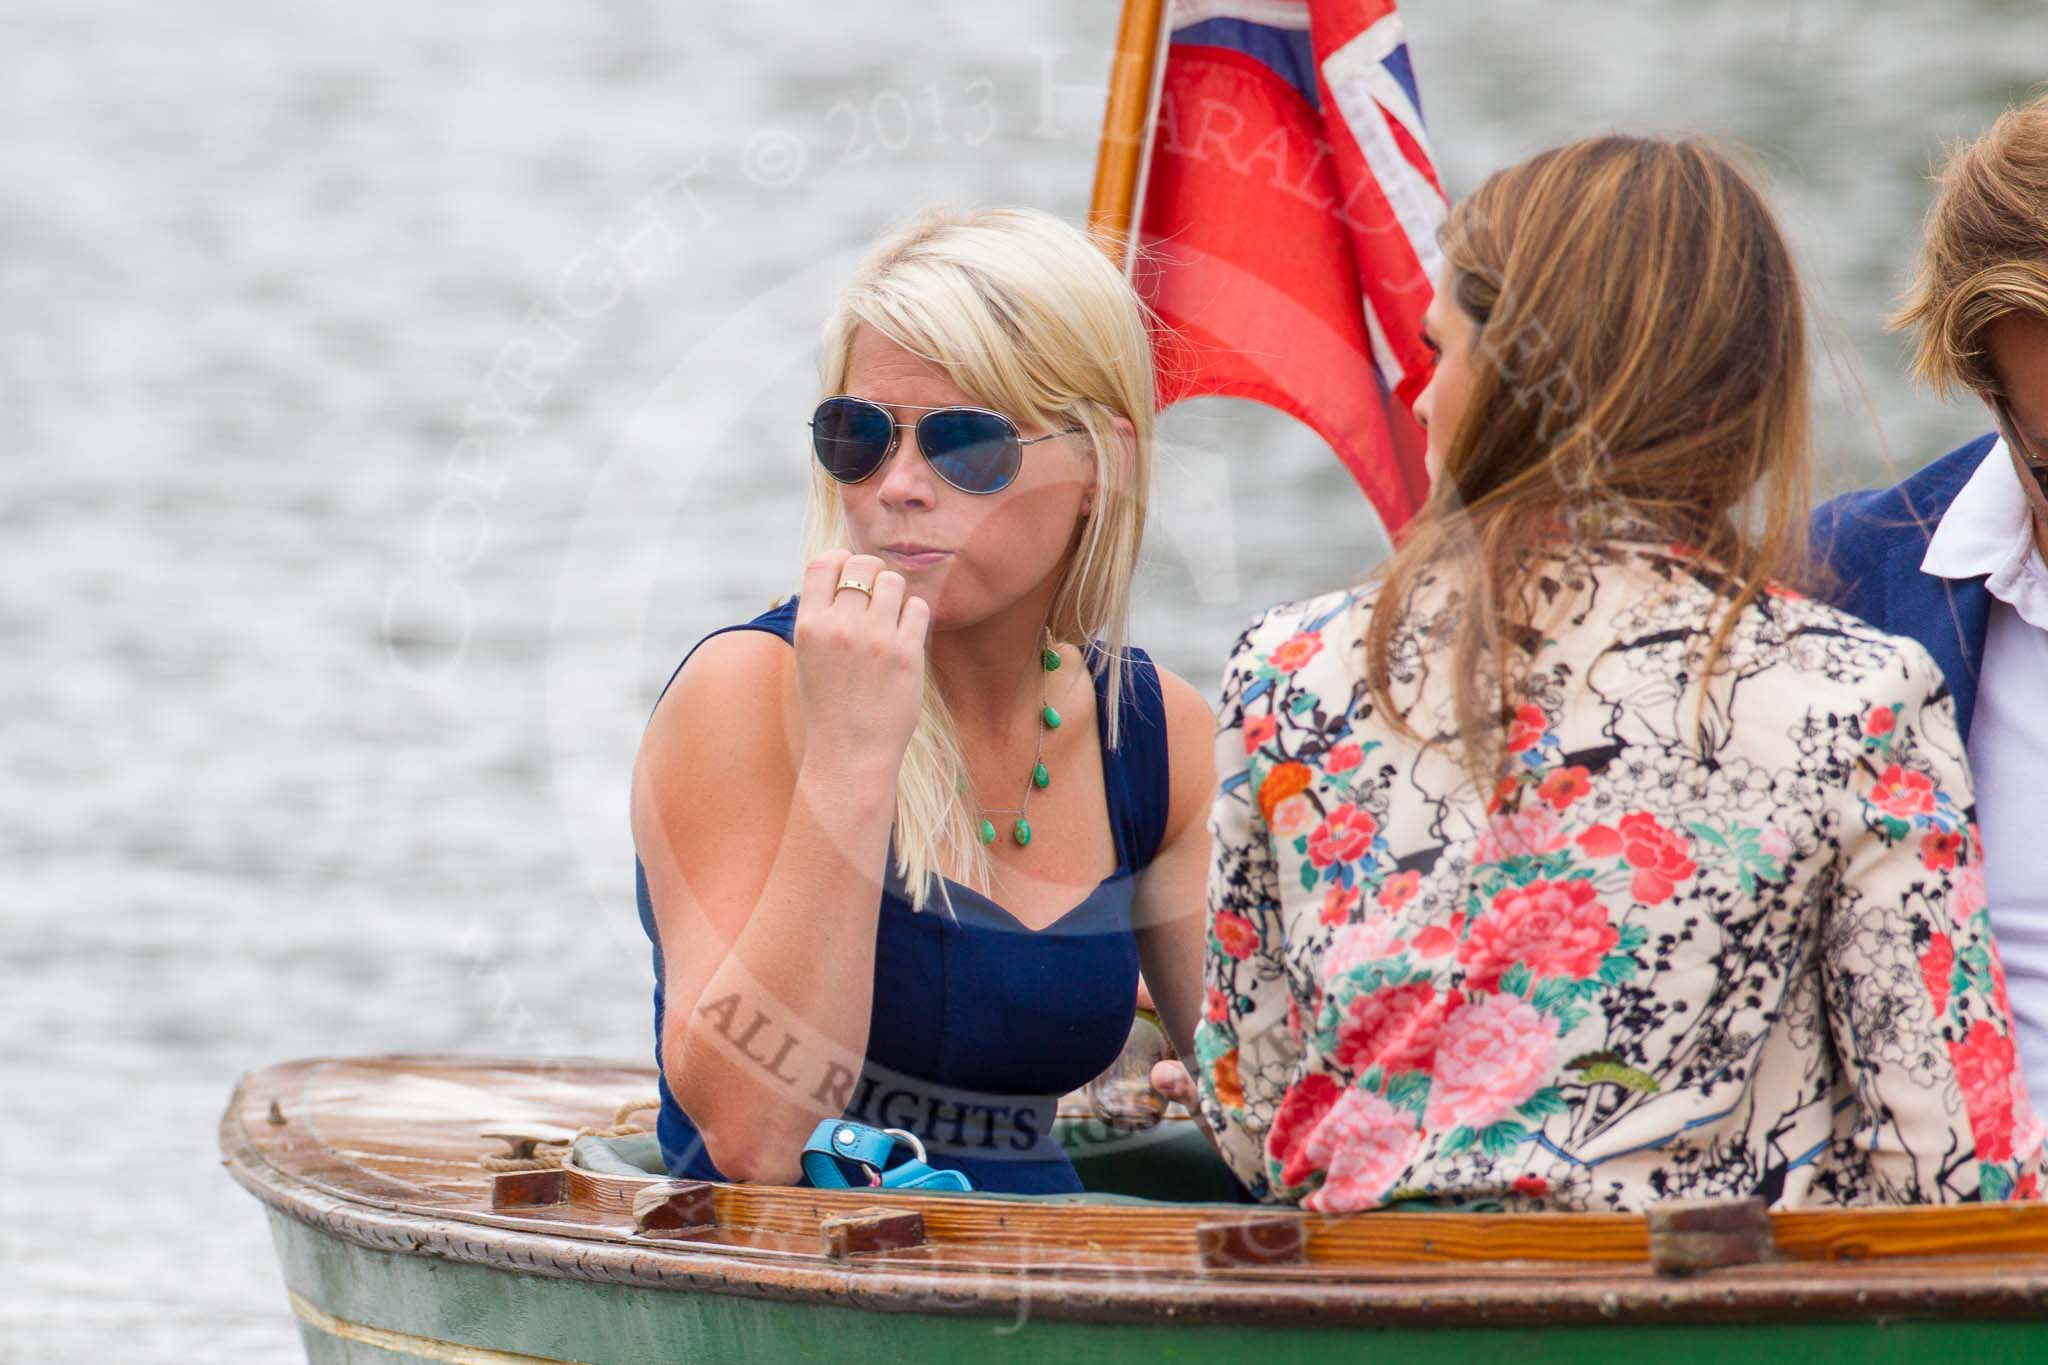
(398, 1243)
(358, 1305)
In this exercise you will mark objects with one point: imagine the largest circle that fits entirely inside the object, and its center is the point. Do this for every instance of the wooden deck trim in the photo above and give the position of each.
(1382, 1269)
(1419, 1238)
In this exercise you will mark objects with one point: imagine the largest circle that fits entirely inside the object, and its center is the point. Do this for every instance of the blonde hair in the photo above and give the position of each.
(1640, 359)
(1029, 317)
(1986, 251)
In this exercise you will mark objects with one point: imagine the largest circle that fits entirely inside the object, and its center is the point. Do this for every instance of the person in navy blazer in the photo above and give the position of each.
(1956, 556)
(1872, 543)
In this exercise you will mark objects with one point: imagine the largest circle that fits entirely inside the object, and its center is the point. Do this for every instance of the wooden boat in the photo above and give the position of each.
(397, 1244)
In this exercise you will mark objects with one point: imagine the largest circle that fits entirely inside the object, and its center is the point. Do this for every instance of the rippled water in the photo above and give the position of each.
(354, 512)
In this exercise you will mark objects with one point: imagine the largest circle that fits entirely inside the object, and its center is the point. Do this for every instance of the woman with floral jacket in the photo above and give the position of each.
(1574, 861)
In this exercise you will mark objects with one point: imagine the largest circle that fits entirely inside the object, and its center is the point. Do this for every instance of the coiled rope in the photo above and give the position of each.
(539, 1154)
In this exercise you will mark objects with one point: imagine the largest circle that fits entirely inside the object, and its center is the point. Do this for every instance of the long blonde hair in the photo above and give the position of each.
(1640, 357)
(1029, 317)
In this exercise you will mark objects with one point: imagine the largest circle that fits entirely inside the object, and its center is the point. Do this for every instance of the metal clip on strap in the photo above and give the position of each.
(837, 1140)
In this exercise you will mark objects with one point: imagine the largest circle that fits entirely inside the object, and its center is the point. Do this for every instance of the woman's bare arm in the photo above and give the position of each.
(1170, 914)
(762, 802)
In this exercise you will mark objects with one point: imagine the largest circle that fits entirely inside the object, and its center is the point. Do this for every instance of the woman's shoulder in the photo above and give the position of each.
(1835, 648)
(1190, 751)
(738, 677)
(1311, 622)
(1189, 719)
(1779, 631)
(1153, 690)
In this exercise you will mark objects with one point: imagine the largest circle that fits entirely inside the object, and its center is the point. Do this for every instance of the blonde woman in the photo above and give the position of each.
(906, 841)
(1573, 861)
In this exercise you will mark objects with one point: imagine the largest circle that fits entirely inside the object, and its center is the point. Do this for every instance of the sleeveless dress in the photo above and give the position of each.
(979, 1025)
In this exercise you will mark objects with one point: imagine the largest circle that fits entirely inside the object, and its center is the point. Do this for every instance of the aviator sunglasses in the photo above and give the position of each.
(2036, 464)
(973, 449)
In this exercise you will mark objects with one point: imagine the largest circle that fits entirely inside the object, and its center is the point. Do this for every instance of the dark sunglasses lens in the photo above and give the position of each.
(851, 438)
(976, 452)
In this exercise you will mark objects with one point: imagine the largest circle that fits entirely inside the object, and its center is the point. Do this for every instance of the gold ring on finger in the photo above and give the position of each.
(856, 586)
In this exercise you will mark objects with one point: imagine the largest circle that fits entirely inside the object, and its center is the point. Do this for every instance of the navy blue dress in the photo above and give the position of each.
(979, 1025)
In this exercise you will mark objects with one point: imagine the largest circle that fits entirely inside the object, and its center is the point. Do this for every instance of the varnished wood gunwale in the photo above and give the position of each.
(1111, 1263)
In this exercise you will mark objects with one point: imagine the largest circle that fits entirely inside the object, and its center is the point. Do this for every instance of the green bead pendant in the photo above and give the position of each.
(1021, 832)
(988, 830)
(1051, 718)
(1052, 660)
(1040, 778)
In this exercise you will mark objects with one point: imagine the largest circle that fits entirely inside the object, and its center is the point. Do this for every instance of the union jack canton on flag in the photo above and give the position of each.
(1288, 221)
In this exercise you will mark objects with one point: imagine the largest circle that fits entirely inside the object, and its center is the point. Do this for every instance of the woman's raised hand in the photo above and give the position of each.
(859, 662)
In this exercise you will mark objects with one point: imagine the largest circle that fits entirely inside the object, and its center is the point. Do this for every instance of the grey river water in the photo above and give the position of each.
(323, 657)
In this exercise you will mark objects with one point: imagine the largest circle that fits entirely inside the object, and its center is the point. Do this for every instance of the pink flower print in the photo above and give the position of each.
(1492, 1054)
(2027, 1132)
(1773, 842)
(1363, 1144)
(1938, 849)
(1338, 903)
(1528, 729)
(1259, 730)
(1902, 794)
(1439, 939)
(1301, 1109)
(1563, 786)
(1937, 968)
(1238, 935)
(1215, 1005)
(1343, 758)
(1600, 841)
(1400, 888)
(1527, 833)
(1878, 721)
(1355, 945)
(1986, 1068)
(1968, 897)
(1394, 1027)
(1554, 928)
(1659, 856)
(1343, 837)
(1291, 817)
(1290, 654)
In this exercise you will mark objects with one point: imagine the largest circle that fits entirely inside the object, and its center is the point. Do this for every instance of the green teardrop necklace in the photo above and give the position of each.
(1041, 777)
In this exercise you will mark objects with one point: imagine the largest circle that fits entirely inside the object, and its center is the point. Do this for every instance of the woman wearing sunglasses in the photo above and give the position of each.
(906, 840)
(1572, 861)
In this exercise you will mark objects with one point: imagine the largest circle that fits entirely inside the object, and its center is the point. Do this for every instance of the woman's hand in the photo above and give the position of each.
(859, 663)
(1171, 1079)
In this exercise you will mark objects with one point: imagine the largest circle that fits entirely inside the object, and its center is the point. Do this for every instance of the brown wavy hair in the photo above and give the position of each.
(1986, 251)
(1639, 362)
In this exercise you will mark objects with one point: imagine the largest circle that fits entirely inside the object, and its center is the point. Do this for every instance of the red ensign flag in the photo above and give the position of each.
(1289, 221)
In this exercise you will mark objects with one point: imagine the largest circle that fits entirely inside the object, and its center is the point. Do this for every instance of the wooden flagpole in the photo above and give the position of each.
(1125, 154)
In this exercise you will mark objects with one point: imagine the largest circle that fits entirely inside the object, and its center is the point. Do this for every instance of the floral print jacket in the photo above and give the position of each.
(1654, 961)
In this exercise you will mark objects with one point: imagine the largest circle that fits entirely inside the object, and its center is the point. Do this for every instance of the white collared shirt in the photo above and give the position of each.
(1988, 531)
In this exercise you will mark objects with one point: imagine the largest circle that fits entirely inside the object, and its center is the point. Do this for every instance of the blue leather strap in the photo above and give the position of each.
(840, 1140)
